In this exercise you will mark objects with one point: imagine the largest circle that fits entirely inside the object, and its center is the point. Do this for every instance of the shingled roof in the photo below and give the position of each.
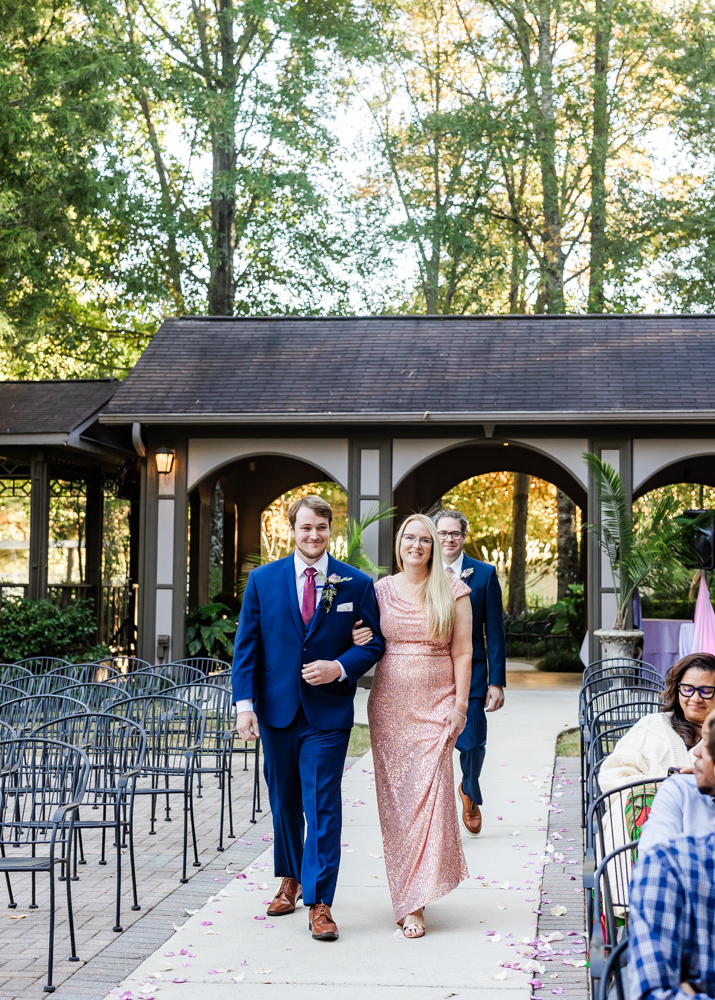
(51, 407)
(227, 370)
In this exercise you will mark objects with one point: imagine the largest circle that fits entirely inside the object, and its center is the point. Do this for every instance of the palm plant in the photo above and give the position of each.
(656, 546)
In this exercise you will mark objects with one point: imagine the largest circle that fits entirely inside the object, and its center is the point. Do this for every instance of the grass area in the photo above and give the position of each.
(568, 743)
(359, 740)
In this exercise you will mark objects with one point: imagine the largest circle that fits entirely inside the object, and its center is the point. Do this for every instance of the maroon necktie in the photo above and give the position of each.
(309, 595)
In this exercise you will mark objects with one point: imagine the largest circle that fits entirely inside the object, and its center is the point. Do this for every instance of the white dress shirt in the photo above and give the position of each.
(456, 566)
(246, 705)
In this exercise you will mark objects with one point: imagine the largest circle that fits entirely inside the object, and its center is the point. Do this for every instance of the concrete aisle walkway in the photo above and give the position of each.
(230, 938)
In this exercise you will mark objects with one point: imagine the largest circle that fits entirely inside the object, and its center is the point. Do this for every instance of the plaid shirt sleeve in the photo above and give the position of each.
(672, 921)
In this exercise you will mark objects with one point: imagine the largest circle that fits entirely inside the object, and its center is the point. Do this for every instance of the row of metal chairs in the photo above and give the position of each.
(614, 696)
(66, 756)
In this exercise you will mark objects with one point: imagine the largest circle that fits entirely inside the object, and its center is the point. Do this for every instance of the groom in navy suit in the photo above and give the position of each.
(486, 693)
(295, 670)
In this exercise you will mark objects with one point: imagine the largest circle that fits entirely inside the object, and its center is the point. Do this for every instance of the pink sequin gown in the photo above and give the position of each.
(412, 693)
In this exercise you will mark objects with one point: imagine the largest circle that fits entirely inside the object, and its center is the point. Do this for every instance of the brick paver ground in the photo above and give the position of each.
(562, 884)
(23, 932)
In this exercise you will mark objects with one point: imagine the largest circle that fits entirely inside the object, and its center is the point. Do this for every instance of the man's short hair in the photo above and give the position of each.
(320, 506)
(456, 514)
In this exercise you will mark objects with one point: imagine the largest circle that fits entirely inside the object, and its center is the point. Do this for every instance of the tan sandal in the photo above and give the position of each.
(414, 924)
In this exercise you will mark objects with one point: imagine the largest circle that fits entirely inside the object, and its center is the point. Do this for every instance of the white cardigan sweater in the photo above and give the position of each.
(646, 751)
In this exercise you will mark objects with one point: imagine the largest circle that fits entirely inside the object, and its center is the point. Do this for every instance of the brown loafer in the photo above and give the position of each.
(471, 815)
(285, 899)
(321, 924)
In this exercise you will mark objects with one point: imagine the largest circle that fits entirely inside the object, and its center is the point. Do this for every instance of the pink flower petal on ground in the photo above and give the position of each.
(266, 902)
(269, 926)
(183, 951)
(266, 838)
(218, 880)
(558, 990)
(167, 954)
(206, 923)
(536, 983)
(179, 979)
(500, 817)
(259, 918)
(244, 961)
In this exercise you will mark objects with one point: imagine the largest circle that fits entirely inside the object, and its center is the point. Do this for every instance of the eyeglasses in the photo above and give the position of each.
(706, 692)
(411, 539)
(454, 535)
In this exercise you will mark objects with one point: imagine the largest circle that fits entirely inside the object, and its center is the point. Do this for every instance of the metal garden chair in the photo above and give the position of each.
(42, 783)
(603, 745)
(174, 732)
(220, 746)
(623, 665)
(8, 692)
(92, 673)
(116, 748)
(612, 983)
(610, 911)
(42, 664)
(181, 674)
(23, 714)
(140, 683)
(222, 678)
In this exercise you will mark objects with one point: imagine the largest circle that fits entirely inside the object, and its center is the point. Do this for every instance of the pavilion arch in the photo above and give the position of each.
(423, 485)
(690, 469)
(249, 485)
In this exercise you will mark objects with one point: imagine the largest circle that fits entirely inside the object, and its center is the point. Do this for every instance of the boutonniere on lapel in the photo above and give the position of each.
(466, 573)
(330, 588)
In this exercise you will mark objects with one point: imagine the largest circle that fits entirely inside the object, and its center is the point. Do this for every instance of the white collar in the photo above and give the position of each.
(456, 566)
(301, 567)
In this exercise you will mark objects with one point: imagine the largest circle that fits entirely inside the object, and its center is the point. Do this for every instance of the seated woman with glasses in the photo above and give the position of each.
(667, 738)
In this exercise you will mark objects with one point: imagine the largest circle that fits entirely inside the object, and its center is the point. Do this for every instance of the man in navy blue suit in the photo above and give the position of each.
(295, 670)
(486, 693)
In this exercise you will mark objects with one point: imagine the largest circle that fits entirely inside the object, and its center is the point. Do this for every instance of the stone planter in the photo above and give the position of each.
(617, 642)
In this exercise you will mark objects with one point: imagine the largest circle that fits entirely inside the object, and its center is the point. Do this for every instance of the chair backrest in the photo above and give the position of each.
(221, 679)
(98, 673)
(140, 682)
(37, 778)
(611, 685)
(10, 671)
(123, 664)
(617, 663)
(23, 714)
(115, 746)
(630, 676)
(6, 731)
(206, 664)
(611, 910)
(181, 673)
(619, 697)
(172, 726)
(617, 817)
(612, 985)
(42, 664)
(94, 696)
(8, 692)
(216, 704)
(27, 683)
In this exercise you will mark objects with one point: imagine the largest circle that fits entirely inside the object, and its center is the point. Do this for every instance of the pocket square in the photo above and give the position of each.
(345, 607)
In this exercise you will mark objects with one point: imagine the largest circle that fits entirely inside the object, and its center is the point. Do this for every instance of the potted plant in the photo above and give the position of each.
(637, 552)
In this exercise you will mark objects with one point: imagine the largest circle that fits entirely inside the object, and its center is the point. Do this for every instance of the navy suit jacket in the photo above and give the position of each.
(273, 643)
(487, 622)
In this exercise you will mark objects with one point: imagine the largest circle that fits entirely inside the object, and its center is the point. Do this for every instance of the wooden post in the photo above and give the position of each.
(94, 518)
(39, 525)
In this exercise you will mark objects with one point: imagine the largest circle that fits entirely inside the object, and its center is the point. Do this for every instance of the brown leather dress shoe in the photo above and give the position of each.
(285, 899)
(321, 924)
(471, 815)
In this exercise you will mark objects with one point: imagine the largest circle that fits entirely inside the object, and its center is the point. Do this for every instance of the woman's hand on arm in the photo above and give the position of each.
(462, 659)
(361, 636)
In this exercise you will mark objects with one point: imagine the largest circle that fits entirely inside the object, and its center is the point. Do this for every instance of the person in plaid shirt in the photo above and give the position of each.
(671, 936)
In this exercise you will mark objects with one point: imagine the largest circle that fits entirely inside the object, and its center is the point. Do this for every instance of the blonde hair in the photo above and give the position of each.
(437, 594)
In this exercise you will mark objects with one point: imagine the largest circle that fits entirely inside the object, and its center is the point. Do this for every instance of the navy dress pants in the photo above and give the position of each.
(304, 769)
(472, 746)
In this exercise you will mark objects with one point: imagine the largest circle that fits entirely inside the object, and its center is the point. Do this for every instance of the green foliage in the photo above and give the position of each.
(653, 548)
(359, 743)
(40, 628)
(571, 614)
(560, 661)
(210, 630)
(355, 554)
(568, 743)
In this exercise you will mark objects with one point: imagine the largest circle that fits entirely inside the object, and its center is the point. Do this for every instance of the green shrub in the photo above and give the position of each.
(561, 661)
(210, 630)
(40, 628)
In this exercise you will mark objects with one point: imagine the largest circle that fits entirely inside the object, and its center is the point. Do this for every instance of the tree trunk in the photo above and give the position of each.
(517, 572)
(599, 155)
(554, 259)
(567, 544)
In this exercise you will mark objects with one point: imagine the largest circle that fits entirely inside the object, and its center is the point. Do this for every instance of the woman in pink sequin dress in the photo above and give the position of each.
(417, 708)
